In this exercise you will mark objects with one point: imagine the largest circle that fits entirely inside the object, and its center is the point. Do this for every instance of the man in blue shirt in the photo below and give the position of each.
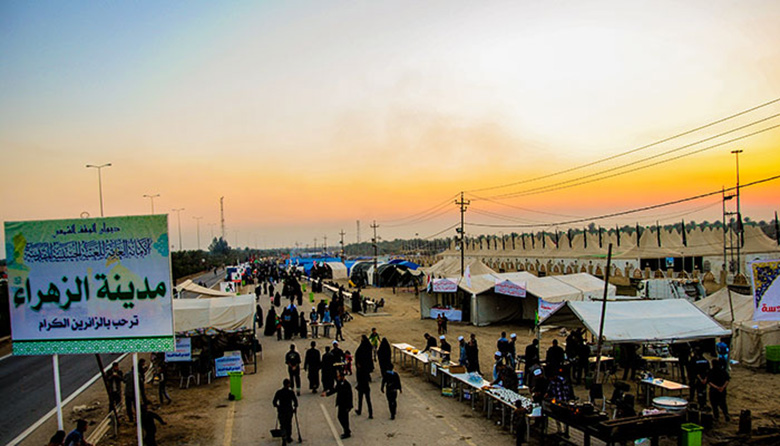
(76, 436)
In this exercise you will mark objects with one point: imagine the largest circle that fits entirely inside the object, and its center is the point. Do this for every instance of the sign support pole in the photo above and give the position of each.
(136, 384)
(603, 313)
(55, 361)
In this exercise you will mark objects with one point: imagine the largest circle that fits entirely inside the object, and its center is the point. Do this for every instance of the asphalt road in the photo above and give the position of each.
(27, 387)
(27, 382)
(209, 278)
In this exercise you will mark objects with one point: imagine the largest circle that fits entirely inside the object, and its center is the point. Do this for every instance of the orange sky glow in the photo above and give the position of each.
(308, 117)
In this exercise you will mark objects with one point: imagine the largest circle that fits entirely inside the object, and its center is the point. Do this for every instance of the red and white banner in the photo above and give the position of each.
(444, 286)
(547, 308)
(510, 288)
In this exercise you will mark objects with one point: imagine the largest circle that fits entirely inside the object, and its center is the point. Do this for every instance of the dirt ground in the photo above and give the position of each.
(194, 417)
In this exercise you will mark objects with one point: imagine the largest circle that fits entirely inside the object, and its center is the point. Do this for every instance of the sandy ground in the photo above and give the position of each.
(202, 415)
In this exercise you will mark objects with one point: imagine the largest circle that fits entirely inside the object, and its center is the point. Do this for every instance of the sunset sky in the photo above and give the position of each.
(307, 116)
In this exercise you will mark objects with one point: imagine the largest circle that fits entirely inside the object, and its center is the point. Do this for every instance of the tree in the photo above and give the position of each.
(219, 247)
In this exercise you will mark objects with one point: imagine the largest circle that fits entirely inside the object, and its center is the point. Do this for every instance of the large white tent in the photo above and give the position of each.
(639, 321)
(486, 306)
(226, 313)
(717, 306)
(338, 269)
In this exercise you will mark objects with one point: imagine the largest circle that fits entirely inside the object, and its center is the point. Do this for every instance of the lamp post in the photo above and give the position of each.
(178, 215)
(198, 219)
(100, 182)
(151, 198)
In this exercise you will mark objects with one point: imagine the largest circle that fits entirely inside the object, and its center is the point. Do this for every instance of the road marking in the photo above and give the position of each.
(65, 402)
(229, 424)
(332, 427)
(6, 356)
(452, 426)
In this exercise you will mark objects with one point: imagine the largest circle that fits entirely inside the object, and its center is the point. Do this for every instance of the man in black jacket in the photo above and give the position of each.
(286, 404)
(312, 363)
(392, 382)
(293, 361)
(343, 391)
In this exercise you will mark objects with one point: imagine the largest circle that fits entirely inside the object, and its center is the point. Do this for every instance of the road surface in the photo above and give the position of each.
(27, 387)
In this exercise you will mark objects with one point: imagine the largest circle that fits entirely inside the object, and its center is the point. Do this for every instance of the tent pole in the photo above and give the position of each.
(603, 313)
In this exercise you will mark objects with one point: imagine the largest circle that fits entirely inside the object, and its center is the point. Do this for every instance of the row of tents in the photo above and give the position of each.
(361, 272)
(575, 301)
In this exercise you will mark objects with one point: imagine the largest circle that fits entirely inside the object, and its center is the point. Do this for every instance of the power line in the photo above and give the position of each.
(421, 213)
(629, 152)
(567, 184)
(430, 237)
(631, 211)
(439, 213)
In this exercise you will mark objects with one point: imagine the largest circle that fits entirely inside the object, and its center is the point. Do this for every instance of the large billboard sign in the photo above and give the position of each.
(765, 275)
(90, 285)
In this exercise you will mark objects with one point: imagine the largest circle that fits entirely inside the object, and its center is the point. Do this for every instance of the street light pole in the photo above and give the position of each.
(178, 215)
(100, 182)
(151, 198)
(198, 219)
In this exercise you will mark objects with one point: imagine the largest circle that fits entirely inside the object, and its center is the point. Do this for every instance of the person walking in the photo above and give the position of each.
(717, 380)
(286, 404)
(130, 389)
(150, 428)
(293, 361)
(391, 382)
(463, 358)
(115, 378)
(473, 354)
(343, 391)
(312, 364)
(328, 369)
(338, 323)
(384, 355)
(76, 436)
(374, 339)
(364, 365)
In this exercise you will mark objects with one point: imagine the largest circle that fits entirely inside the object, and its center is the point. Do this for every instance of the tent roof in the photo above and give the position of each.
(550, 288)
(189, 285)
(716, 305)
(450, 267)
(586, 283)
(228, 313)
(639, 321)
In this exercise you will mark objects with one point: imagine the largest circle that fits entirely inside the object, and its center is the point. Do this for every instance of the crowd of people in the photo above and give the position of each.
(328, 370)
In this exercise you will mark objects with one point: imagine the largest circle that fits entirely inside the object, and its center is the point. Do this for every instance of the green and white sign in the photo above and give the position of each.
(94, 285)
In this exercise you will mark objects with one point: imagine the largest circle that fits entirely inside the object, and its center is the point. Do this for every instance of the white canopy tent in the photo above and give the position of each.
(639, 321)
(227, 313)
(189, 285)
(487, 307)
(338, 269)
(717, 306)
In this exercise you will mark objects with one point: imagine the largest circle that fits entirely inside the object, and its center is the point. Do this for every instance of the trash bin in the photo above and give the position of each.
(235, 384)
(691, 434)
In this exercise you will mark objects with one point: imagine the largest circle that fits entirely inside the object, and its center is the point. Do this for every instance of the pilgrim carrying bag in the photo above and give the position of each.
(276, 432)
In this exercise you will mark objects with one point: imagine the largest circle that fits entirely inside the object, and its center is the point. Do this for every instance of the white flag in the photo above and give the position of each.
(468, 276)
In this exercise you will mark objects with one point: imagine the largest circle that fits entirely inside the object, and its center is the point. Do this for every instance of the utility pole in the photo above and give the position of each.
(375, 242)
(358, 231)
(178, 215)
(740, 235)
(198, 219)
(461, 232)
(341, 242)
(325, 243)
(222, 216)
